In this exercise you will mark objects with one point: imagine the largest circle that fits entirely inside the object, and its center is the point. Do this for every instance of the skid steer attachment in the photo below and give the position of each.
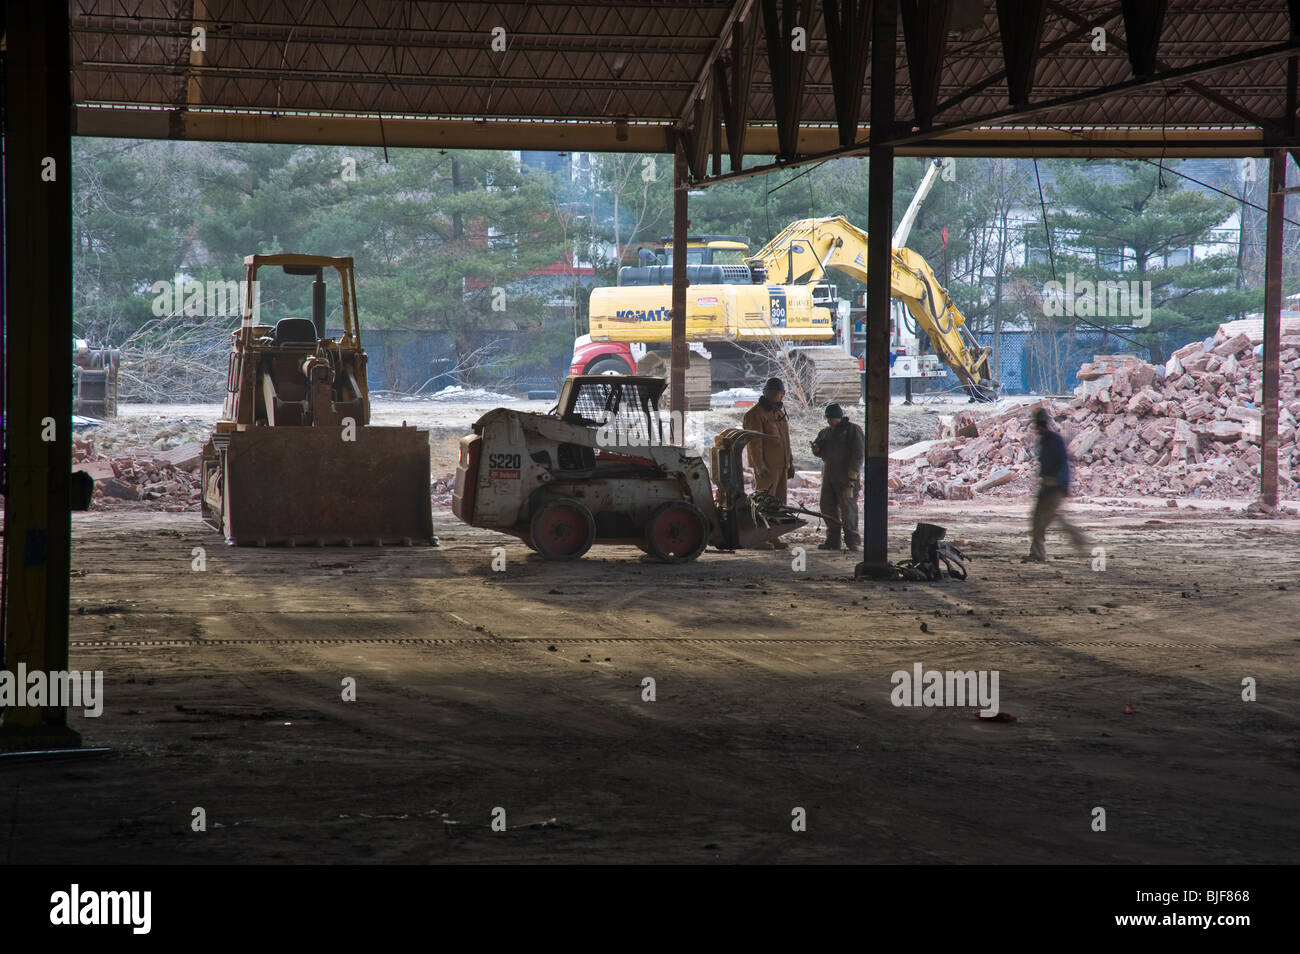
(745, 520)
(294, 460)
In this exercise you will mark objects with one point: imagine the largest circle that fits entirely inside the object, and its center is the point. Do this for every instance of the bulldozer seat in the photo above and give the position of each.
(294, 331)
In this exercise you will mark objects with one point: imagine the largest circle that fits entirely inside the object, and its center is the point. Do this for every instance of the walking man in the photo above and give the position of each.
(1053, 488)
(771, 458)
(840, 445)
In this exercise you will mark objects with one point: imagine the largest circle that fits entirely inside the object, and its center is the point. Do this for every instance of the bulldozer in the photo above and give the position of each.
(294, 459)
(601, 467)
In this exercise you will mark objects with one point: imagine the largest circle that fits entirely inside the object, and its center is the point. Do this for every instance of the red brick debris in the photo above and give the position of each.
(163, 481)
(1191, 426)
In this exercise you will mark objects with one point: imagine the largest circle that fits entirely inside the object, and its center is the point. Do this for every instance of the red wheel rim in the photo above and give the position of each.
(563, 530)
(677, 532)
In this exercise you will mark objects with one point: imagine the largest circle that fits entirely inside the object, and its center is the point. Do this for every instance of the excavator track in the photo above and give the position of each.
(699, 391)
(829, 374)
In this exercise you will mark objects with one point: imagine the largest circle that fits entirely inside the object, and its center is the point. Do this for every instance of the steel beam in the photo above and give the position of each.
(703, 123)
(925, 32)
(734, 75)
(815, 143)
(1272, 327)
(787, 66)
(848, 35)
(1142, 22)
(680, 354)
(880, 226)
(704, 78)
(1020, 22)
(38, 366)
(197, 58)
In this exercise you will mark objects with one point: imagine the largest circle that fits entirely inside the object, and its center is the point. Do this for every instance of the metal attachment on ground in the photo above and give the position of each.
(928, 550)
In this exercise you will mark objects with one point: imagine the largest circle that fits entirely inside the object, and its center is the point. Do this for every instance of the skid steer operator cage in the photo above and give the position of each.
(625, 407)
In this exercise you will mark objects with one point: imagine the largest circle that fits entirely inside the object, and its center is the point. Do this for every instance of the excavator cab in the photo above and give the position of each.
(294, 459)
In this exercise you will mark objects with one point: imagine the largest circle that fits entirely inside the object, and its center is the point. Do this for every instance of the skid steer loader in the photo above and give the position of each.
(601, 468)
(294, 459)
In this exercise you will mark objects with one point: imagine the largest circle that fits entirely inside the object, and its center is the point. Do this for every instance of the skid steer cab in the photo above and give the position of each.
(604, 467)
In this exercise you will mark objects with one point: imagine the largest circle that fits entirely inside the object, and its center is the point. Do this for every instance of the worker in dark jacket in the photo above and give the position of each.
(1053, 488)
(840, 446)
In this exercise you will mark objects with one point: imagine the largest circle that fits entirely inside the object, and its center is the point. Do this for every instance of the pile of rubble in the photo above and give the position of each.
(441, 490)
(123, 436)
(165, 480)
(1191, 426)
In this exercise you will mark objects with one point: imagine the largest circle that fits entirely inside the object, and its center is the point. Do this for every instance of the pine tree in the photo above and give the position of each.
(1121, 221)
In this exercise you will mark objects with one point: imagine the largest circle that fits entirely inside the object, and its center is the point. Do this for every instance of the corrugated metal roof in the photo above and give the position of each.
(348, 62)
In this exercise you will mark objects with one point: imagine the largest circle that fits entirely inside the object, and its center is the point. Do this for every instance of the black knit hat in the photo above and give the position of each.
(834, 410)
(773, 386)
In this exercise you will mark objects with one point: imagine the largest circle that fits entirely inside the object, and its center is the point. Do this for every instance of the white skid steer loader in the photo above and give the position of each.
(601, 468)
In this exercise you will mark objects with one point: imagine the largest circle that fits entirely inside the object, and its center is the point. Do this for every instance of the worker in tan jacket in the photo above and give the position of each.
(771, 458)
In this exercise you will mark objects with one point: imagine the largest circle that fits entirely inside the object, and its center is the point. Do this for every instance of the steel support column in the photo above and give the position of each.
(680, 353)
(880, 226)
(38, 366)
(1272, 326)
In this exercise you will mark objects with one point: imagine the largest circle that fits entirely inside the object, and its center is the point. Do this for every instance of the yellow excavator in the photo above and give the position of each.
(805, 251)
(741, 327)
(781, 295)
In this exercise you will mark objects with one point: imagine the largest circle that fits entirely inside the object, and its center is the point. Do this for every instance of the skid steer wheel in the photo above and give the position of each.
(563, 529)
(676, 532)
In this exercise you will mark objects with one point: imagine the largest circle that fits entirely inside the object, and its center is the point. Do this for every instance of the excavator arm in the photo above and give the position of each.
(805, 250)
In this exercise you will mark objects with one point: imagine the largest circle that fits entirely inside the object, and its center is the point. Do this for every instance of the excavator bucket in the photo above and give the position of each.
(307, 486)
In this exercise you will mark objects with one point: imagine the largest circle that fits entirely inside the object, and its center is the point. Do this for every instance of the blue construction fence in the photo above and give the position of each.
(1029, 362)
(407, 362)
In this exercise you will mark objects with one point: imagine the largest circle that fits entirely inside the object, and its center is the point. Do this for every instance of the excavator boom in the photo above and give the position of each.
(804, 251)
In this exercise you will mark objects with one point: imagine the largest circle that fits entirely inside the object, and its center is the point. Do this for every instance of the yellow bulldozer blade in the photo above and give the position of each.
(307, 486)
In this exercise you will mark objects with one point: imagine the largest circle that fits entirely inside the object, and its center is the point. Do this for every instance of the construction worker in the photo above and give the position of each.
(771, 459)
(840, 445)
(1053, 488)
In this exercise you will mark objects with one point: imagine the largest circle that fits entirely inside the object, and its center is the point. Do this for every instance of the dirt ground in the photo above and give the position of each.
(522, 690)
